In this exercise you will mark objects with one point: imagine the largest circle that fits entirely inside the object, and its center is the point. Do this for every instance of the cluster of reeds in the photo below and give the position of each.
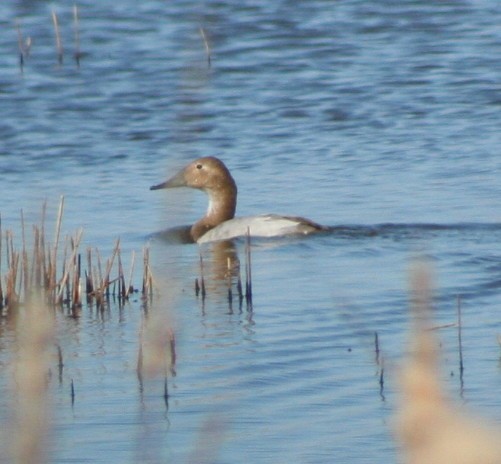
(39, 271)
(24, 45)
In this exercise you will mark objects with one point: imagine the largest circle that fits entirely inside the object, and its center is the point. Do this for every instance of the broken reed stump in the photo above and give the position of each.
(36, 269)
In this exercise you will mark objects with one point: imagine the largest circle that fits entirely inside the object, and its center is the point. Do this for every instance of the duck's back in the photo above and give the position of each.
(266, 225)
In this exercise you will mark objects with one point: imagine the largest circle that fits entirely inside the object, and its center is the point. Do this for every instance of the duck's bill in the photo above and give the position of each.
(176, 181)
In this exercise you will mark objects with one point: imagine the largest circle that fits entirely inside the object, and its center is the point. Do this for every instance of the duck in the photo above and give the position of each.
(211, 175)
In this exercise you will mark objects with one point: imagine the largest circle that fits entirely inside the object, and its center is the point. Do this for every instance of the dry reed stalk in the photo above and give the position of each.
(69, 269)
(89, 285)
(460, 339)
(98, 281)
(12, 256)
(24, 46)
(60, 362)
(230, 291)
(145, 270)
(96, 295)
(207, 47)
(43, 251)
(376, 347)
(59, 44)
(109, 265)
(121, 278)
(20, 45)
(240, 291)
(131, 273)
(140, 357)
(74, 286)
(53, 260)
(76, 296)
(147, 289)
(98, 274)
(248, 271)
(64, 283)
(24, 258)
(202, 278)
(30, 427)
(76, 28)
(72, 393)
(430, 427)
(35, 276)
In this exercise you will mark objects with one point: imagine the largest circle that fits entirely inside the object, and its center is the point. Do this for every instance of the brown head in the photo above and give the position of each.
(213, 177)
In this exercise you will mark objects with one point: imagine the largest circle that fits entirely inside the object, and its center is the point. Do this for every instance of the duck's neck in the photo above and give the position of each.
(222, 205)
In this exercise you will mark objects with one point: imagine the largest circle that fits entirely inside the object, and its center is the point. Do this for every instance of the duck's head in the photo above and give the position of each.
(212, 176)
(208, 173)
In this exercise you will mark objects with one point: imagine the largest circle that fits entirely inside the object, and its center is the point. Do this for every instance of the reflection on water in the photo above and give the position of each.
(222, 263)
(174, 235)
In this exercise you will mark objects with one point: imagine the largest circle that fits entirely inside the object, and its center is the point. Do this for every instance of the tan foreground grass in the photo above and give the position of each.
(432, 429)
(28, 432)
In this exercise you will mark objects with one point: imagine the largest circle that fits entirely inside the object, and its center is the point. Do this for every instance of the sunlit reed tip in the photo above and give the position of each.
(59, 44)
(207, 47)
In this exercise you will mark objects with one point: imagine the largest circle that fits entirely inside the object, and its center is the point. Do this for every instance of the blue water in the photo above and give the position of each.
(378, 118)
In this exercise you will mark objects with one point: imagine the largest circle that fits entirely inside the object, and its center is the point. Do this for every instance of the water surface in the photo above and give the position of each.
(379, 119)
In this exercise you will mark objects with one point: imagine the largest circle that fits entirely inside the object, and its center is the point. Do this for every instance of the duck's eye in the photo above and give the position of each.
(199, 166)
